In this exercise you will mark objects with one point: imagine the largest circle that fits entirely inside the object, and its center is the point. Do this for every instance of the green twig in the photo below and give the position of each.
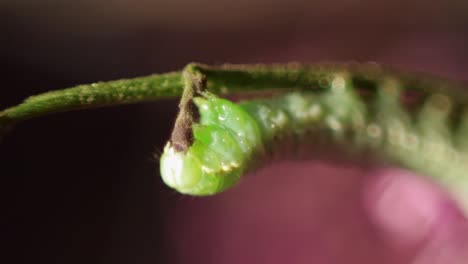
(225, 79)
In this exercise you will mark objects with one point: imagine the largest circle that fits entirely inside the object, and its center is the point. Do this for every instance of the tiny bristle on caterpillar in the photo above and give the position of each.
(411, 130)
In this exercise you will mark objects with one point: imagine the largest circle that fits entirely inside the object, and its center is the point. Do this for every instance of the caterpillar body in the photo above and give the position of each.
(231, 138)
(410, 120)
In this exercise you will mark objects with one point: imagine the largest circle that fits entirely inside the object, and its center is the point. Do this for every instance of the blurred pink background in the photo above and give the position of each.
(83, 187)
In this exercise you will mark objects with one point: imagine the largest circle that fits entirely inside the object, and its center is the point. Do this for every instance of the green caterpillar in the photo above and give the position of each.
(411, 120)
(223, 142)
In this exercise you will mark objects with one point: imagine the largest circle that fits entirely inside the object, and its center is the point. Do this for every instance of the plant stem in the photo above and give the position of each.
(225, 79)
(98, 94)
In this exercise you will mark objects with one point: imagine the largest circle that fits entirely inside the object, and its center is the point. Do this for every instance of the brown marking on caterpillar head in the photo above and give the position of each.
(182, 134)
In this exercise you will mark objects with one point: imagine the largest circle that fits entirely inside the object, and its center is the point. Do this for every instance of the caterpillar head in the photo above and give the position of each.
(223, 142)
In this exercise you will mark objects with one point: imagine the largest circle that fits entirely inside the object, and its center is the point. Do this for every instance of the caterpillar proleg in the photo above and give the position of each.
(406, 119)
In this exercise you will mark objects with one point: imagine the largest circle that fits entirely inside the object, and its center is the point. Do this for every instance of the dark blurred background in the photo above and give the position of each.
(84, 187)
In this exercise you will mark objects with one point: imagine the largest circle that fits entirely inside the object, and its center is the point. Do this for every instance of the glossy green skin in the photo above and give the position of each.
(224, 140)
